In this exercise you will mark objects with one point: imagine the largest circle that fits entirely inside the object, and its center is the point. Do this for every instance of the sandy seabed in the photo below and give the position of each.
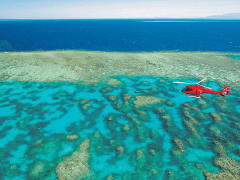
(69, 65)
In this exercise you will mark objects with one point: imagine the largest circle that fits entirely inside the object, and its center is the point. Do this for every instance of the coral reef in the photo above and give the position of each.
(169, 103)
(75, 166)
(154, 135)
(160, 111)
(72, 137)
(181, 150)
(84, 101)
(39, 142)
(216, 117)
(218, 148)
(110, 177)
(202, 104)
(189, 117)
(220, 176)
(126, 127)
(112, 82)
(140, 128)
(39, 170)
(86, 106)
(113, 98)
(217, 132)
(146, 100)
(126, 107)
(133, 128)
(168, 121)
(224, 162)
(170, 175)
(228, 163)
(189, 124)
(127, 97)
(120, 152)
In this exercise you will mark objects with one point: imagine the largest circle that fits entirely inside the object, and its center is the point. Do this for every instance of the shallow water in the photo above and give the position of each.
(235, 57)
(127, 141)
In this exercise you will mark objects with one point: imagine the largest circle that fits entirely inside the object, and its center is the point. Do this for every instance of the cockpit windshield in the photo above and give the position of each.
(187, 89)
(184, 89)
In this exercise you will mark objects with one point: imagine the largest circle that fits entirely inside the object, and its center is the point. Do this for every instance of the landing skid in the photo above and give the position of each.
(194, 96)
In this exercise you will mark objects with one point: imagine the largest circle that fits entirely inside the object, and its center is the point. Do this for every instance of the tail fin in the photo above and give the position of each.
(225, 91)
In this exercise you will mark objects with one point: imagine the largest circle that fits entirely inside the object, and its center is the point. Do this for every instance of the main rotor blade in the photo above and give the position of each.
(184, 83)
(202, 80)
(207, 87)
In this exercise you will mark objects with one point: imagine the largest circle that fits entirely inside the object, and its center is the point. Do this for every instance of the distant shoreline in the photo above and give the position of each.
(75, 65)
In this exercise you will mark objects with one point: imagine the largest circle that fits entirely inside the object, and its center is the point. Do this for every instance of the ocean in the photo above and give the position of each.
(120, 35)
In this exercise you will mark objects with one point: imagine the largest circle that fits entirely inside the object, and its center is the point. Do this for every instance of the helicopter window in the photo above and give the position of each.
(188, 89)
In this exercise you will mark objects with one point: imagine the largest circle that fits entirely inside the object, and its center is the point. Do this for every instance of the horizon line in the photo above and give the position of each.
(200, 18)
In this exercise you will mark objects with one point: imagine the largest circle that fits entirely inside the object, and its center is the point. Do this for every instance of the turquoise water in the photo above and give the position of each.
(126, 141)
(235, 57)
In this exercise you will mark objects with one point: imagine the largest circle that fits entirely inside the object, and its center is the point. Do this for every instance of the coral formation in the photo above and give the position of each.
(146, 100)
(126, 107)
(216, 117)
(84, 101)
(39, 142)
(113, 98)
(160, 111)
(143, 115)
(219, 149)
(220, 176)
(140, 128)
(153, 152)
(217, 132)
(119, 151)
(228, 163)
(86, 106)
(189, 117)
(75, 166)
(126, 97)
(170, 175)
(110, 177)
(110, 118)
(112, 81)
(39, 170)
(202, 104)
(169, 103)
(126, 127)
(180, 146)
(72, 137)
(189, 124)
(154, 134)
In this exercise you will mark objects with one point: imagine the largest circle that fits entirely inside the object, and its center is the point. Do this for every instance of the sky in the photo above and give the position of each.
(98, 9)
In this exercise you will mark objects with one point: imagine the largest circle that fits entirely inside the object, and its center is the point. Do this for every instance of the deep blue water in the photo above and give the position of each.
(120, 35)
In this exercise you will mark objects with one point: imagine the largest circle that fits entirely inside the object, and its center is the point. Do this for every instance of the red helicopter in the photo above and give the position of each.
(197, 90)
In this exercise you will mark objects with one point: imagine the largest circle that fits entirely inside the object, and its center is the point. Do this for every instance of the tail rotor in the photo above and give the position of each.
(225, 91)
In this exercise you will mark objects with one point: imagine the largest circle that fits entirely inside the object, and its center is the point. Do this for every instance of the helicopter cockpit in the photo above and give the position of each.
(186, 89)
